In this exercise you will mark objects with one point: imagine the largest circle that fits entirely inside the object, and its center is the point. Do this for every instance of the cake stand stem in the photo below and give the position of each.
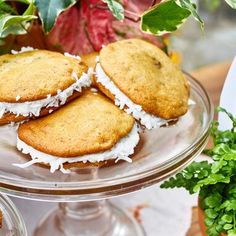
(97, 218)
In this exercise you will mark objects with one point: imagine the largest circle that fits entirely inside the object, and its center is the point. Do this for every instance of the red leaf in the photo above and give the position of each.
(83, 29)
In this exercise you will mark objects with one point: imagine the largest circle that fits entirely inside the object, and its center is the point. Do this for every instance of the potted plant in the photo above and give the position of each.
(215, 181)
(201, 219)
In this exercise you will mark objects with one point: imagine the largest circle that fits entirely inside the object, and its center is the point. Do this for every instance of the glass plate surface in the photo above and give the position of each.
(12, 221)
(160, 153)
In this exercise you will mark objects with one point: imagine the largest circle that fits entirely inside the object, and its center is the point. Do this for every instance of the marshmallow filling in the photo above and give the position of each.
(33, 108)
(120, 151)
(123, 102)
(23, 49)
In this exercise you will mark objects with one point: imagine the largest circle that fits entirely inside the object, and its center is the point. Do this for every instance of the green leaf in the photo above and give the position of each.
(227, 226)
(231, 117)
(232, 188)
(163, 18)
(13, 24)
(116, 8)
(211, 180)
(49, 10)
(211, 213)
(208, 221)
(221, 149)
(231, 205)
(211, 231)
(213, 200)
(24, 1)
(219, 228)
(30, 10)
(189, 177)
(232, 3)
(232, 232)
(189, 5)
(6, 9)
(227, 218)
(217, 166)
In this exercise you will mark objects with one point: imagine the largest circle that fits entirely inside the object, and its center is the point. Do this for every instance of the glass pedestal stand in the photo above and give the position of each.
(83, 209)
(89, 219)
(12, 223)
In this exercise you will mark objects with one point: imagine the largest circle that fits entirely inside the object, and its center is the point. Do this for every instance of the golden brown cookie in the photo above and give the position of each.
(35, 75)
(147, 76)
(86, 125)
(91, 124)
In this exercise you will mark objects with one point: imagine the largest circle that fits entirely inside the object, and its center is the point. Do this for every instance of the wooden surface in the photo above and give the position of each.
(212, 78)
(195, 228)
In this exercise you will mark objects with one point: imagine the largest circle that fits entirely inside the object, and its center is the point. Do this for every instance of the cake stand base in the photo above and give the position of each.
(99, 218)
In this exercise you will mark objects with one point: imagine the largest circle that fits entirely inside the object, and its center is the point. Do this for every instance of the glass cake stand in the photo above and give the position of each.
(83, 209)
(12, 223)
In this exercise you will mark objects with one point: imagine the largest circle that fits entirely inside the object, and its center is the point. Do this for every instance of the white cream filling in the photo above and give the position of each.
(23, 49)
(33, 108)
(121, 151)
(72, 56)
(121, 100)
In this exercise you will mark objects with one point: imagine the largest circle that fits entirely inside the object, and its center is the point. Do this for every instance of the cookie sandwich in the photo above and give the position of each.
(141, 79)
(90, 130)
(35, 83)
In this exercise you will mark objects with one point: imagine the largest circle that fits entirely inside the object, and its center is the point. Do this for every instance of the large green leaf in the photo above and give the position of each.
(49, 10)
(13, 24)
(30, 10)
(116, 8)
(232, 3)
(163, 18)
(189, 5)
